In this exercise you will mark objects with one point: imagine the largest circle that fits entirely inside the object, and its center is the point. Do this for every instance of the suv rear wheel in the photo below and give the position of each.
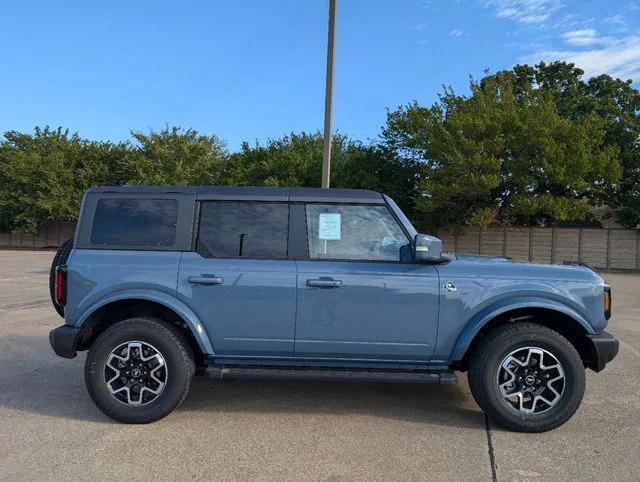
(527, 377)
(139, 370)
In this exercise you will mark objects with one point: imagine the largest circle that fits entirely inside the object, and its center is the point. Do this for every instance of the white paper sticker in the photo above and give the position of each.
(329, 226)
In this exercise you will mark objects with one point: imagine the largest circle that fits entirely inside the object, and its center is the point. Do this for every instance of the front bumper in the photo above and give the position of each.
(604, 348)
(64, 340)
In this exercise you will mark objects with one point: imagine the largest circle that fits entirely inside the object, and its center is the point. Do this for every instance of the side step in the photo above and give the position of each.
(226, 372)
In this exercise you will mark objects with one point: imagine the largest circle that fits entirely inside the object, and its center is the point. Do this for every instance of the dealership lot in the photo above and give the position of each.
(246, 429)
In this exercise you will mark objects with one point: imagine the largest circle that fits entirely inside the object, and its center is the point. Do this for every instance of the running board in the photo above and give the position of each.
(352, 375)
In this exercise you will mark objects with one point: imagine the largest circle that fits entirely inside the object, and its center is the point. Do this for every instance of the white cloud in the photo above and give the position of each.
(582, 37)
(617, 57)
(617, 19)
(456, 33)
(574, 38)
(525, 11)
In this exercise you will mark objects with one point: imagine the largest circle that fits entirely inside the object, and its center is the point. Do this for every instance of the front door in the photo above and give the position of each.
(239, 281)
(359, 294)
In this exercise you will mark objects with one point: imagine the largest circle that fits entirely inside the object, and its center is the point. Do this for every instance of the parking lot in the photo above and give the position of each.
(51, 430)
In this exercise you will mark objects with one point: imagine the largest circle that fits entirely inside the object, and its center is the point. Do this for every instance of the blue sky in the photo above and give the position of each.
(251, 70)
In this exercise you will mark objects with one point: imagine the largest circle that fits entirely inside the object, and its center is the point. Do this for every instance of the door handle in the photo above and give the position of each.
(324, 283)
(205, 280)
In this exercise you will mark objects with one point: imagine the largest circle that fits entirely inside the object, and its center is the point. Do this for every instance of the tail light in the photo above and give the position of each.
(607, 302)
(61, 285)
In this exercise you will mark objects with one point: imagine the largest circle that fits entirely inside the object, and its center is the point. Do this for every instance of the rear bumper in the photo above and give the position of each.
(64, 340)
(605, 348)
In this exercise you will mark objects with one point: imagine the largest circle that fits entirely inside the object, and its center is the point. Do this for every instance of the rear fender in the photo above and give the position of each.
(182, 310)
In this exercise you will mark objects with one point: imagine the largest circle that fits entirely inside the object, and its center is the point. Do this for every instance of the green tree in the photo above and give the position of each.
(503, 154)
(379, 169)
(296, 160)
(174, 156)
(43, 175)
(292, 160)
(614, 101)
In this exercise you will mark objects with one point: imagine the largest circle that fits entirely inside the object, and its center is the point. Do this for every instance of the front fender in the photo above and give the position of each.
(476, 323)
(182, 310)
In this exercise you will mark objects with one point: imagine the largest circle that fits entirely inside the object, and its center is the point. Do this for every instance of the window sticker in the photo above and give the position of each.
(329, 226)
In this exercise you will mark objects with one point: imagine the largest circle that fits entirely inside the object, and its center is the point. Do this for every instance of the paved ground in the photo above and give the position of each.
(50, 429)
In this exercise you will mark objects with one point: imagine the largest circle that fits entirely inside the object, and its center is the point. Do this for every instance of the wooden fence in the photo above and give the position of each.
(51, 235)
(611, 248)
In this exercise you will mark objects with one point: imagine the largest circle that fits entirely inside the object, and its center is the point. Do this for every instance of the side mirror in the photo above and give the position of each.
(427, 248)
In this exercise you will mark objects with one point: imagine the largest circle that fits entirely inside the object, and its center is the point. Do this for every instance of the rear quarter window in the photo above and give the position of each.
(134, 222)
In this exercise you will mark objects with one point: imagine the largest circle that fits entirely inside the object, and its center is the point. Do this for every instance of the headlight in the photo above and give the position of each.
(607, 301)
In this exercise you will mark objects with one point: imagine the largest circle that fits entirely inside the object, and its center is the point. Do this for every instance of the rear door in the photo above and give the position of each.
(359, 294)
(239, 280)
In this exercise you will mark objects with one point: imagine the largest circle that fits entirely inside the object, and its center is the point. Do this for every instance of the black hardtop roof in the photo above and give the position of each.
(253, 193)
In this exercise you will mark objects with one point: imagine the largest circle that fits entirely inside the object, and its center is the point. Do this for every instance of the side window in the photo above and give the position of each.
(354, 232)
(243, 230)
(135, 222)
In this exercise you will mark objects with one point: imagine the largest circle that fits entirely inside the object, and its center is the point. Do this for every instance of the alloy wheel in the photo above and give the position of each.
(135, 373)
(531, 380)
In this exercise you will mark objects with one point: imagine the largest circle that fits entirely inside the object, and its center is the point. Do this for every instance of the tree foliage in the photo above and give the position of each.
(175, 157)
(43, 175)
(296, 160)
(616, 103)
(531, 145)
(507, 153)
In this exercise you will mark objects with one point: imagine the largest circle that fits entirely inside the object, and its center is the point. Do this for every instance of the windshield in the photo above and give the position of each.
(400, 215)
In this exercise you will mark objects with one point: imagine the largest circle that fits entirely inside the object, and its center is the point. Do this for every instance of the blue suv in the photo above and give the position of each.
(161, 283)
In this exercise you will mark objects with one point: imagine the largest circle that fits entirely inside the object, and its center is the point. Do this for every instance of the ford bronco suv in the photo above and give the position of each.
(161, 283)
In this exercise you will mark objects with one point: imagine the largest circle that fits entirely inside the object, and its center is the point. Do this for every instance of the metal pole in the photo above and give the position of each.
(328, 98)
(608, 248)
(637, 249)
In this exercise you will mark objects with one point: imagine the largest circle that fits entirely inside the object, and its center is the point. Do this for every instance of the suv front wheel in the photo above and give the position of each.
(139, 370)
(526, 377)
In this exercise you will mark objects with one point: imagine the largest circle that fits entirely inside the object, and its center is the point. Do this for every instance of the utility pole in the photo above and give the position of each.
(328, 98)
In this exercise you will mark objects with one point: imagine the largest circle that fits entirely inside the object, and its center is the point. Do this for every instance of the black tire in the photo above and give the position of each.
(60, 258)
(172, 346)
(495, 347)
